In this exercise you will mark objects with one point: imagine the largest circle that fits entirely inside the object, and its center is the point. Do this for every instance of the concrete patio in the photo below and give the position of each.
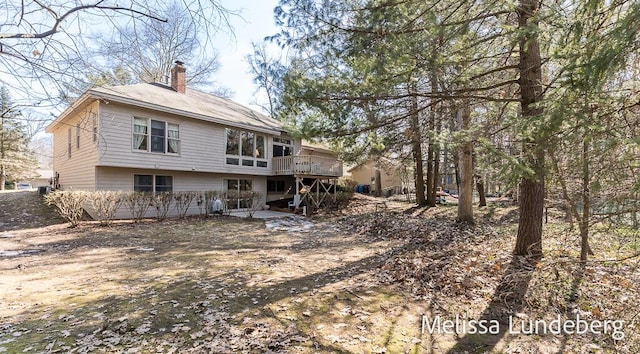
(262, 214)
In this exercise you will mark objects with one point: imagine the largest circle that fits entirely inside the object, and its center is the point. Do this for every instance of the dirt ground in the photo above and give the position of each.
(23, 209)
(360, 281)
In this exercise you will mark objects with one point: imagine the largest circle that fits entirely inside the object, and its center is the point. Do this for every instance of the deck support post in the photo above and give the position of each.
(335, 189)
(296, 198)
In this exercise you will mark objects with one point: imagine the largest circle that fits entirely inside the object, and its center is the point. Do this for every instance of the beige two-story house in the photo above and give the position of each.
(154, 137)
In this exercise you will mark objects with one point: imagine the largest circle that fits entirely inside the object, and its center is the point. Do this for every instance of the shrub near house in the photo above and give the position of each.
(105, 204)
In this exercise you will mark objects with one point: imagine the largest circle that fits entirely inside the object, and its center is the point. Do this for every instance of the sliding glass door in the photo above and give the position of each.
(235, 187)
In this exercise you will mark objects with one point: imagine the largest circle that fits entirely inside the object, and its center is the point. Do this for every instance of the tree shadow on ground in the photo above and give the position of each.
(507, 300)
(571, 300)
(25, 209)
(143, 287)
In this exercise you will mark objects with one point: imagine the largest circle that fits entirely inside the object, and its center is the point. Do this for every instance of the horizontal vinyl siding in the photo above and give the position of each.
(121, 179)
(313, 152)
(202, 144)
(78, 171)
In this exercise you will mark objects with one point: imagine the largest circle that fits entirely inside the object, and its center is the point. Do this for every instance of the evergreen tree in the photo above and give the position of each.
(16, 159)
(378, 76)
(529, 239)
(593, 155)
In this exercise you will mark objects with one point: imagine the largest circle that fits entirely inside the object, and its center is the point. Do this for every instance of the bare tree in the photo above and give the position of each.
(16, 160)
(40, 145)
(42, 148)
(147, 51)
(266, 72)
(42, 46)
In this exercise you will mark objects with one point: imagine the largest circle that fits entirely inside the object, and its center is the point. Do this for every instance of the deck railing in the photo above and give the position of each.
(307, 165)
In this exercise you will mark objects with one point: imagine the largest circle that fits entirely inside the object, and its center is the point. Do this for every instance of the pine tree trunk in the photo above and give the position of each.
(431, 200)
(529, 239)
(456, 170)
(480, 189)
(445, 166)
(585, 249)
(3, 179)
(531, 196)
(431, 174)
(417, 156)
(378, 183)
(416, 147)
(465, 158)
(436, 171)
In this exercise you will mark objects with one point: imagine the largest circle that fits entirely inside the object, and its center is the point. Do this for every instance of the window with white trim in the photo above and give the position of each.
(156, 136)
(245, 148)
(78, 136)
(261, 142)
(282, 147)
(152, 183)
(275, 186)
(173, 138)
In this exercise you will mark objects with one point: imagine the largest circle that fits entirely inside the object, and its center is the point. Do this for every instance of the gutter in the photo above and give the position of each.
(142, 104)
(136, 103)
(80, 102)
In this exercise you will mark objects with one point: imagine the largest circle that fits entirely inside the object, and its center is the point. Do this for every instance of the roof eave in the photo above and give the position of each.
(82, 100)
(318, 149)
(142, 104)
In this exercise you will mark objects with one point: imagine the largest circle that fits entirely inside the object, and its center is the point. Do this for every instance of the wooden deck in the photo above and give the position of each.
(307, 165)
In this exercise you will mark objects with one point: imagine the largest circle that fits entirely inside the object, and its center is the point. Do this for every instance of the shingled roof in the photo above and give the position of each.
(192, 104)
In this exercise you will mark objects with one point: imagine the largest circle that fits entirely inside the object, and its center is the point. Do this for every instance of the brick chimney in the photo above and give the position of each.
(179, 77)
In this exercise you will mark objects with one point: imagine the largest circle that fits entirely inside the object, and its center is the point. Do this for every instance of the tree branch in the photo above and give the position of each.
(59, 19)
(503, 68)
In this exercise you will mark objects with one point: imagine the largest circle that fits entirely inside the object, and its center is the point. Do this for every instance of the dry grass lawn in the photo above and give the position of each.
(353, 283)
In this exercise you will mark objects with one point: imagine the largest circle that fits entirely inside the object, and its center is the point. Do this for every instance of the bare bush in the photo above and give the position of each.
(162, 202)
(252, 201)
(233, 199)
(106, 204)
(205, 201)
(138, 204)
(341, 200)
(348, 184)
(70, 204)
(202, 207)
(183, 201)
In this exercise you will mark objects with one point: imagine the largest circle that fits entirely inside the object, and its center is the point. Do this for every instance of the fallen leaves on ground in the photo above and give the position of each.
(357, 280)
